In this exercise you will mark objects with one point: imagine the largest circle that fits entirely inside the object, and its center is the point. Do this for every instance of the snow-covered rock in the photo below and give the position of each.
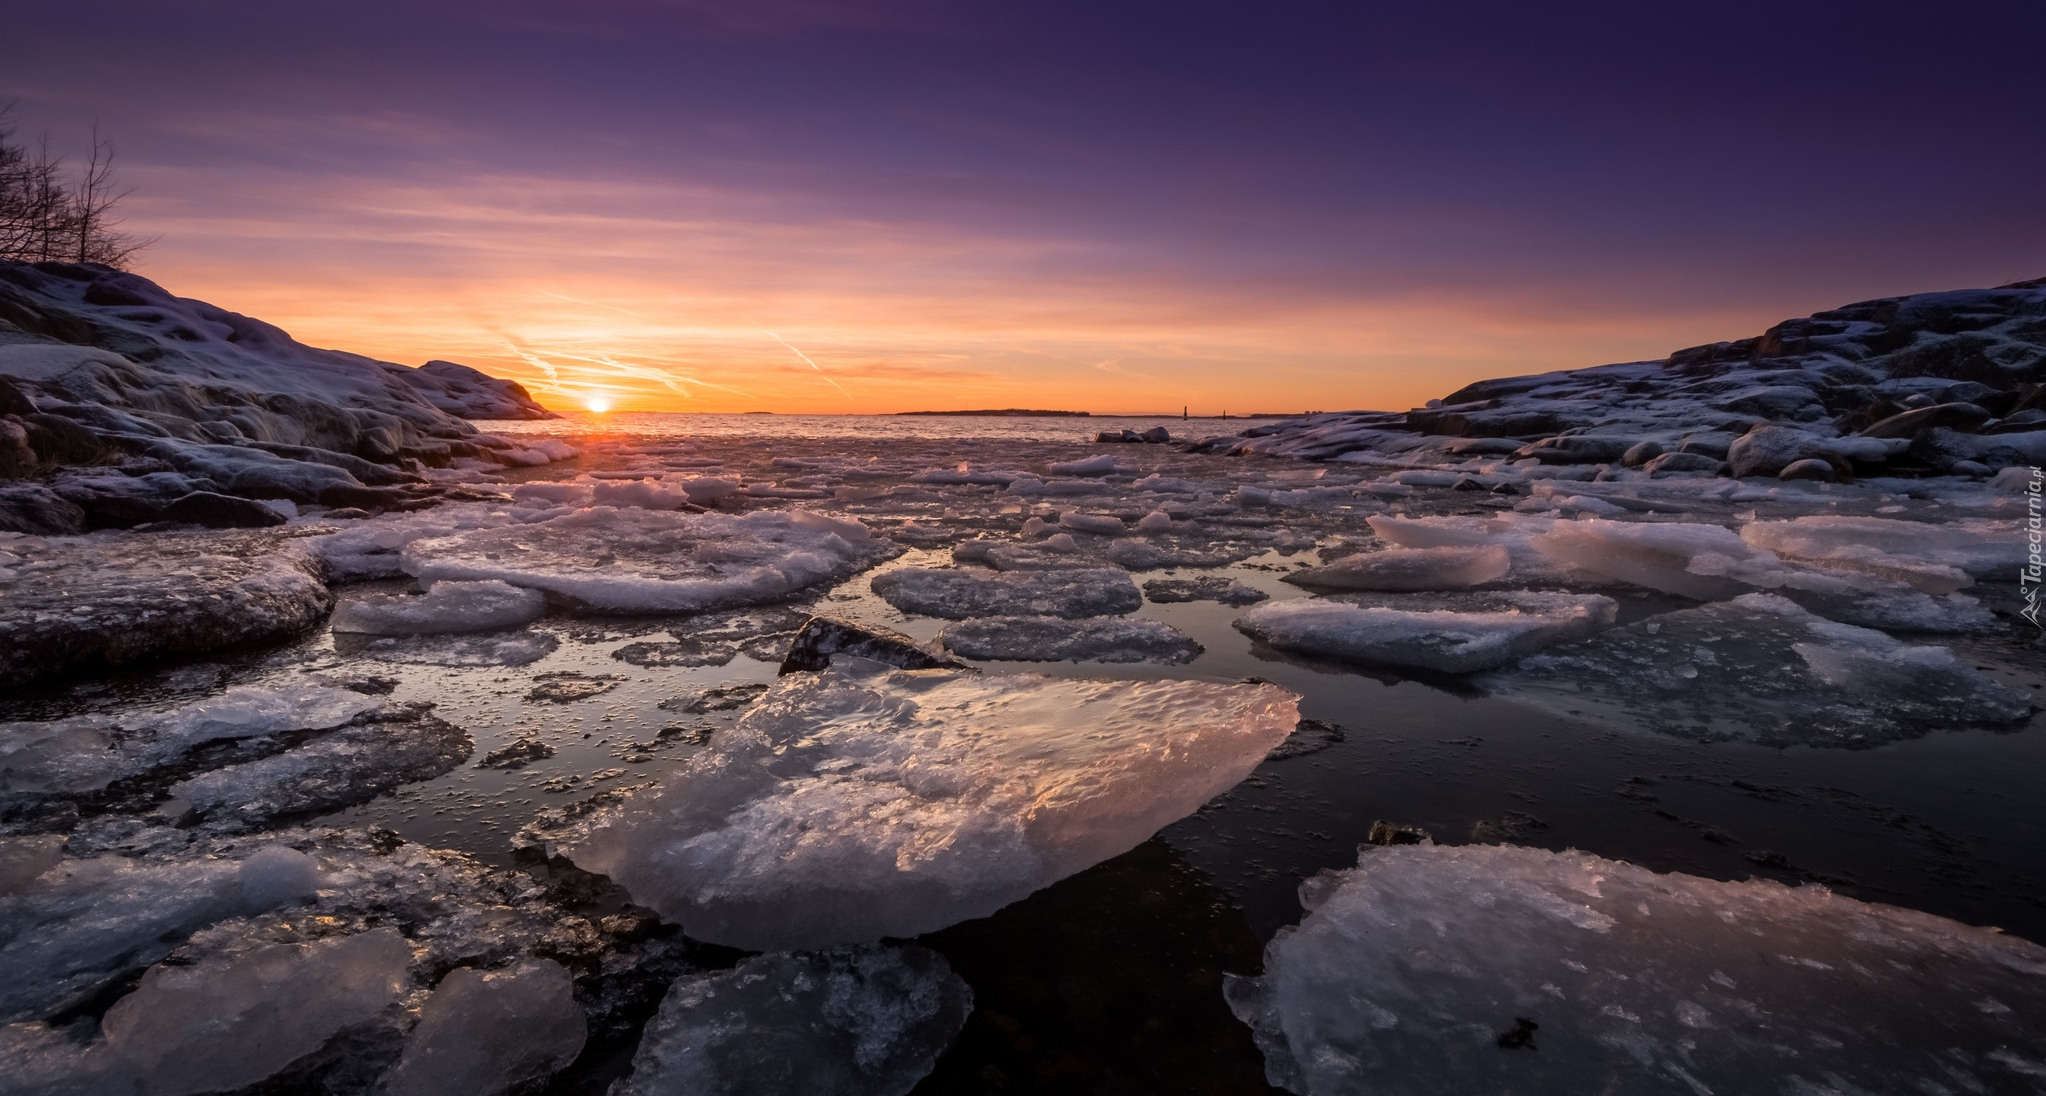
(1760, 668)
(864, 802)
(1053, 639)
(855, 1021)
(1460, 635)
(968, 594)
(605, 559)
(231, 404)
(453, 606)
(1497, 969)
(114, 599)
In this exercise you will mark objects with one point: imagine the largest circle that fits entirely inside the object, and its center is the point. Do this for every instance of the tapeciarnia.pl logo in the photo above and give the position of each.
(2034, 570)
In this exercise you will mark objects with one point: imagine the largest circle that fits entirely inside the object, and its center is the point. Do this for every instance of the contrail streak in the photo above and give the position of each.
(811, 364)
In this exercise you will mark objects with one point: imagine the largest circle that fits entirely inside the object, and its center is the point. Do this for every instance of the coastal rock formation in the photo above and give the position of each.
(1927, 384)
(118, 401)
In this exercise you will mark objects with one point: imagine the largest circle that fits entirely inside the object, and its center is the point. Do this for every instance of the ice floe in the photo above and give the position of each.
(1443, 568)
(1497, 969)
(446, 607)
(1761, 668)
(965, 594)
(866, 1020)
(483, 1032)
(1458, 635)
(1054, 639)
(864, 802)
(611, 560)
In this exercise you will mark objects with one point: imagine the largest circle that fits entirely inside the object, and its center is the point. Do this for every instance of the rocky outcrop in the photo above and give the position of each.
(105, 370)
(1933, 383)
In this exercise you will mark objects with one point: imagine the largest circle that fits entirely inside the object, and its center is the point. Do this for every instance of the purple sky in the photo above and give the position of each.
(1120, 206)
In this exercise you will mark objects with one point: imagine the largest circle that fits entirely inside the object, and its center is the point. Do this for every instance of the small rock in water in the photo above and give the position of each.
(824, 637)
(856, 1021)
(1428, 969)
(567, 686)
(516, 755)
(723, 698)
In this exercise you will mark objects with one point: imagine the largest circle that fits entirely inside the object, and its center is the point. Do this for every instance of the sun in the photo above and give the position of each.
(597, 404)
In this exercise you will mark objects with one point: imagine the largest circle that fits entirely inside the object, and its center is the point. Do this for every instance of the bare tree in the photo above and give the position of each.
(44, 216)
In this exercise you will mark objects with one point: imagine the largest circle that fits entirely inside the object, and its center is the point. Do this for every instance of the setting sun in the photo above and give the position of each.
(597, 404)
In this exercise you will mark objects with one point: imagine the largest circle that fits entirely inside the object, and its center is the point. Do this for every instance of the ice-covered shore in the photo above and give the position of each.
(228, 855)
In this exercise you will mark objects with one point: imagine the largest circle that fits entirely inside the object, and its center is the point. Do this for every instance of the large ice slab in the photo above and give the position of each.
(1457, 635)
(1760, 668)
(862, 802)
(1052, 639)
(857, 1021)
(610, 560)
(112, 599)
(966, 594)
(1498, 969)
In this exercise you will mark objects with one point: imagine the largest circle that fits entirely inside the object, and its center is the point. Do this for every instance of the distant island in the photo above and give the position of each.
(1006, 412)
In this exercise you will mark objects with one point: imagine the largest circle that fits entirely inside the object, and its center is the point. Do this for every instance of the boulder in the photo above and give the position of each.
(825, 636)
(1768, 448)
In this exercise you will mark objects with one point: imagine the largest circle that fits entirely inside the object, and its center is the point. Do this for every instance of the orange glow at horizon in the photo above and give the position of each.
(732, 309)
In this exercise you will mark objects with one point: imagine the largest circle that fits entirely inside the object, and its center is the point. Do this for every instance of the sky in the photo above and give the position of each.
(807, 206)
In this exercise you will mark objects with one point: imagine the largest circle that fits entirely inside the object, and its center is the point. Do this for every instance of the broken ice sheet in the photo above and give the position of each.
(864, 802)
(349, 766)
(1457, 634)
(1489, 968)
(1051, 639)
(627, 561)
(1760, 668)
(864, 1020)
(447, 607)
(966, 594)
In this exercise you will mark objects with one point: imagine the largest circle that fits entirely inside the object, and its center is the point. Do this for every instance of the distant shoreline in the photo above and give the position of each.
(1007, 413)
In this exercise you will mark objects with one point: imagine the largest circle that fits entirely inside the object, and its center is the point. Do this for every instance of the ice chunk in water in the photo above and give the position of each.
(1228, 591)
(1103, 465)
(1091, 523)
(447, 607)
(86, 753)
(1459, 637)
(1761, 668)
(216, 1027)
(610, 560)
(1157, 521)
(859, 1021)
(1497, 969)
(1409, 569)
(962, 594)
(81, 923)
(519, 648)
(482, 1032)
(860, 802)
(1050, 639)
(22, 859)
(349, 766)
(1700, 561)
(1937, 559)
